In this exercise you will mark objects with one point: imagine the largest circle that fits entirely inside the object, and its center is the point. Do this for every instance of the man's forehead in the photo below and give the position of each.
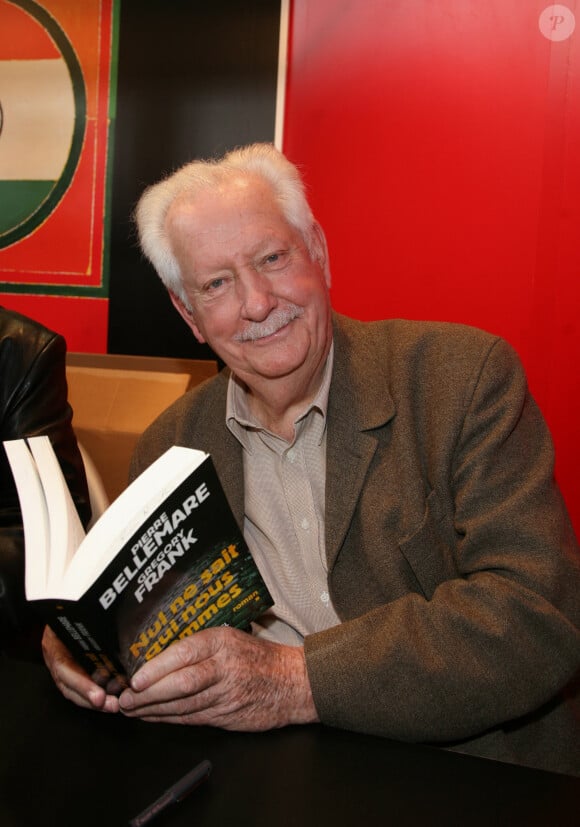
(238, 191)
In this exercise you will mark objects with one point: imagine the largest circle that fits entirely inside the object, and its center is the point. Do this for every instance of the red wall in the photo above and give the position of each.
(440, 142)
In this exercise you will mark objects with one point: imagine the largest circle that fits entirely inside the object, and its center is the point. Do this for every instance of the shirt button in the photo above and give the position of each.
(325, 597)
(291, 455)
(305, 524)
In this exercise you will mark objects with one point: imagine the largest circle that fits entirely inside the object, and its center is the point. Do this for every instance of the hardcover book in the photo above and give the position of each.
(165, 560)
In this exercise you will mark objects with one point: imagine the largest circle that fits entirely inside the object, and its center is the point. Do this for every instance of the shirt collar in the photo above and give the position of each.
(240, 420)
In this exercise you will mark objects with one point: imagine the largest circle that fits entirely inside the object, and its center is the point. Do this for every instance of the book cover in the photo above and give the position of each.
(174, 563)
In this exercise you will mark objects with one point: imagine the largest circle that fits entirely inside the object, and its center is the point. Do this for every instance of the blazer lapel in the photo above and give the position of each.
(227, 456)
(225, 450)
(358, 403)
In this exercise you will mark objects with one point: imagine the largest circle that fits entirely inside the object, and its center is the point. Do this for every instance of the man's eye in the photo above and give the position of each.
(276, 260)
(214, 284)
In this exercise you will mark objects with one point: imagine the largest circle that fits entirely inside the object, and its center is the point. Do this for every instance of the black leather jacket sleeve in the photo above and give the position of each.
(33, 401)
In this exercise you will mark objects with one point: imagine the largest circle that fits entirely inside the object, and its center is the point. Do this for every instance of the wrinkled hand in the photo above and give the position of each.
(226, 678)
(72, 680)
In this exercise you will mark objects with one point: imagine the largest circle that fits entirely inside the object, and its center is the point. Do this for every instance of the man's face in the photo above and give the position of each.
(257, 297)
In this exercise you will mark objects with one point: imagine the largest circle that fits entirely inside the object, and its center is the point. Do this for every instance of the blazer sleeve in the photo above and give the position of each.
(496, 636)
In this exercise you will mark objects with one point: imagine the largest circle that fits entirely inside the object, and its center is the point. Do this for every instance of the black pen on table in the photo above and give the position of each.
(175, 793)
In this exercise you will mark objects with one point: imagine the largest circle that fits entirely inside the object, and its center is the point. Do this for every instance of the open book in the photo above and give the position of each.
(166, 559)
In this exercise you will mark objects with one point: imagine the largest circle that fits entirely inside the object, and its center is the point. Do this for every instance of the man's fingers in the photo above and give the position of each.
(72, 681)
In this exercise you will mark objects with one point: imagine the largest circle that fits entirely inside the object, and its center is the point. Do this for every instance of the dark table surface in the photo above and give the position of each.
(61, 765)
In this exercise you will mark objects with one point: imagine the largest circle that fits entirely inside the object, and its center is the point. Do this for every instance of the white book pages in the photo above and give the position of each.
(34, 515)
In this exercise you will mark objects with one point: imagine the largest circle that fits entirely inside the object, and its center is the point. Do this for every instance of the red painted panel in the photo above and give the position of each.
(83, 322)
(439, 142)
(25, 39)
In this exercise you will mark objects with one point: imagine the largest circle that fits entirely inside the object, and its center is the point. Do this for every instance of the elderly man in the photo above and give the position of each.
(394, 482)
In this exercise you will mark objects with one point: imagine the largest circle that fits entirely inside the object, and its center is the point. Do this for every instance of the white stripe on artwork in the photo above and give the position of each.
(38, 113)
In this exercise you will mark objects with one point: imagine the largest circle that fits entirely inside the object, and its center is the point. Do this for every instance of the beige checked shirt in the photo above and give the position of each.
(284, 514)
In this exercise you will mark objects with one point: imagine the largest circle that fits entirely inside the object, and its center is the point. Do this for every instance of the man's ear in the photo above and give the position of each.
(187, 316)
(320, 250)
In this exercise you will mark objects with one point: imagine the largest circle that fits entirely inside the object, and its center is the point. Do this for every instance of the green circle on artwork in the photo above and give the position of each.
(35, 205)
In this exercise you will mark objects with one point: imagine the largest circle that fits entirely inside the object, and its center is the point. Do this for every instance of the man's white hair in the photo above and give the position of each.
(259, 159)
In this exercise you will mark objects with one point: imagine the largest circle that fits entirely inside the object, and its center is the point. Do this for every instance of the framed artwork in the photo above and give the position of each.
(57, 108)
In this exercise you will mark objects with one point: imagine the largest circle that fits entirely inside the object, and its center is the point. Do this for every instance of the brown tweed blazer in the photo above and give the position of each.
(452, 562)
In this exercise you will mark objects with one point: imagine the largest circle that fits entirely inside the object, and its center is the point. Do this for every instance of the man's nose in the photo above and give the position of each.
(256, 294)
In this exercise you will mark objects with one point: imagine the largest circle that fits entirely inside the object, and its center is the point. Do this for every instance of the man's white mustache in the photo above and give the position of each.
(275, 321)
